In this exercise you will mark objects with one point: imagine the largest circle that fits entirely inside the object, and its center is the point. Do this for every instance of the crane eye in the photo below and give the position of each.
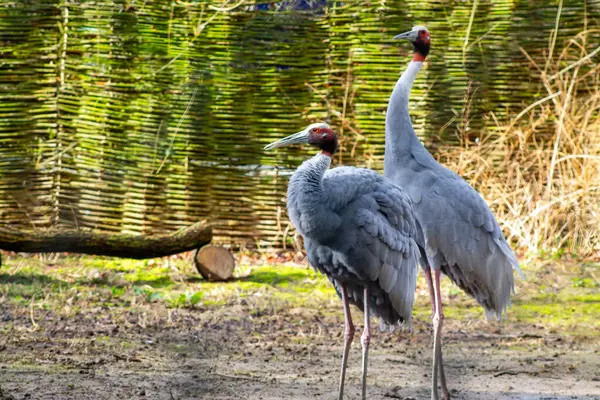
(316, 130)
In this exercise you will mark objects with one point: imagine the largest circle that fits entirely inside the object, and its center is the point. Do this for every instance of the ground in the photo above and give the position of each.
(102, 328)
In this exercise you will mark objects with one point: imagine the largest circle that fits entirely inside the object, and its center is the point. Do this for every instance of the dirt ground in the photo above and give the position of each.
(241, 351)
(222, 358)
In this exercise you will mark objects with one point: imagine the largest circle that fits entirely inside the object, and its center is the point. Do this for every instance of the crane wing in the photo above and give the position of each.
(463, 238)
(372, 246)
(386, 231)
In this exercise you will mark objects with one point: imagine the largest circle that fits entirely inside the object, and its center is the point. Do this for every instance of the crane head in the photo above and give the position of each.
(420, 37)
(320, 135)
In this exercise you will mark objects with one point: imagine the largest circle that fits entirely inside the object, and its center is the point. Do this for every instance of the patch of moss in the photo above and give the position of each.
(568, 302)
(155, 279)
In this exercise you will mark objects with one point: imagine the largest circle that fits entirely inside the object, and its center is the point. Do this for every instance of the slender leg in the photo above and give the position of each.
(438, 321)
(431, 289)
(365, 339)
(432, 296)
(348, 337)
(434, 371)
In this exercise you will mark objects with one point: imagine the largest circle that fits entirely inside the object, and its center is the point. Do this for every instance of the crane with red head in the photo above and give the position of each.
(359, 230)
(457, 232)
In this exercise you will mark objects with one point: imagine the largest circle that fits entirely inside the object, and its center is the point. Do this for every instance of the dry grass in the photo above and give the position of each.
(545, 186)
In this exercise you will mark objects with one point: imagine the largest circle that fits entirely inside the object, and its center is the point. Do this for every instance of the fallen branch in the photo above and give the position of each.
(106, 244)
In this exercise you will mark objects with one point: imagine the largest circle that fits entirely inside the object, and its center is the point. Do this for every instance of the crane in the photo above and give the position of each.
(458, 233)
(359, 230)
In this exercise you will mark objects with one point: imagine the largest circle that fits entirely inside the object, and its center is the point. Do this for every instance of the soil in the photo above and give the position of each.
(235, 352)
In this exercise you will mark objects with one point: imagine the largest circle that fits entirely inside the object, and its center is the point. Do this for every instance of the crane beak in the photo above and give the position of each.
(300, 137)
(406, 35)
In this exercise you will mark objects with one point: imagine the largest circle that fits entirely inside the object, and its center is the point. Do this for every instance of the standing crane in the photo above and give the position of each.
(359, 230)
(459, 235)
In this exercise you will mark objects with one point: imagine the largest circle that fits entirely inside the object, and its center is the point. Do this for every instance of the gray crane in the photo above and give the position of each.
(359, 230)
(458, 233)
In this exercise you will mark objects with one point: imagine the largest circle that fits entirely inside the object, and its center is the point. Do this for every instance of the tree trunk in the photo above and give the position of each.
(106, 244)
(214, 263)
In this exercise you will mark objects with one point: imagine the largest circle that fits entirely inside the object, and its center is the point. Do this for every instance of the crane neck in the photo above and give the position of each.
(307, 181)
(399, 132)
(418, 57)
(409, 75)
(308, 201)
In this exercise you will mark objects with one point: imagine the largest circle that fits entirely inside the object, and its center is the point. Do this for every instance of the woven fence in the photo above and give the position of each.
(147, 116)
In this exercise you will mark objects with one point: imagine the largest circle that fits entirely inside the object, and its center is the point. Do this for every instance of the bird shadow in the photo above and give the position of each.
(28, 279)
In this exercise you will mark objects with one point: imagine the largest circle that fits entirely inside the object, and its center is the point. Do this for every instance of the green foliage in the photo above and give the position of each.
(196, 298)
(579, 282)
(186, 299)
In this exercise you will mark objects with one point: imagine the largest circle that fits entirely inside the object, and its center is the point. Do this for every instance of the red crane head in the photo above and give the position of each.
(420, 37)
(320, 135)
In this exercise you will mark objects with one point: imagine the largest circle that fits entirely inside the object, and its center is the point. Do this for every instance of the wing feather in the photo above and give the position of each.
(387, 277)
(374, 245)
(398, 253)
(463, 238)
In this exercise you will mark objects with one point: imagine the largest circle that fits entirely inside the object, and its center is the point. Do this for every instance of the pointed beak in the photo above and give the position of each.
(300, 137)
(406, 35)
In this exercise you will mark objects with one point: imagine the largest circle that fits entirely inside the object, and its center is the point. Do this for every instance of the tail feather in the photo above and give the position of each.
(512, 258)
(492, 292)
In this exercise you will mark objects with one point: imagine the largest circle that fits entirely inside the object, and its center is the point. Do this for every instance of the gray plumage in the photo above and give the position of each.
(459, 233)
(358, 229)
(456, 231)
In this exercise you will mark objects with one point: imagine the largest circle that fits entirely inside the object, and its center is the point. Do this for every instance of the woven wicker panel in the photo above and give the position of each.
(147, 116)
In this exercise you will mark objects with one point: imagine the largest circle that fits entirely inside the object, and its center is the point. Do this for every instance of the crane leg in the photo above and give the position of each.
(429, 280)
(432, 296)
(365, 339)
(348, 337)
(438, 321)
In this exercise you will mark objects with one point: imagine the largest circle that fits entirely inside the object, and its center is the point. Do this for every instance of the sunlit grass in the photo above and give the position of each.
(117, 280)
(560, 297)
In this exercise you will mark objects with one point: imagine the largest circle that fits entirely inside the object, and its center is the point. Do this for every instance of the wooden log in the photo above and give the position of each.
(214, 263)
(106, 244)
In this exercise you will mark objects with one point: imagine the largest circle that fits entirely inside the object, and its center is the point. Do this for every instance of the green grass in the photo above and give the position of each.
(559, 297)
(174, 283)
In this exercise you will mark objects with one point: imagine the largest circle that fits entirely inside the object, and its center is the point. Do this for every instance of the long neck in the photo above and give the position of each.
(399, 133)
(306, 185)
(306, 201)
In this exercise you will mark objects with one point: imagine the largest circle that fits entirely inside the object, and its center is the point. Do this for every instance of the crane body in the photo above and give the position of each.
(359, 230)
(458, 234)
